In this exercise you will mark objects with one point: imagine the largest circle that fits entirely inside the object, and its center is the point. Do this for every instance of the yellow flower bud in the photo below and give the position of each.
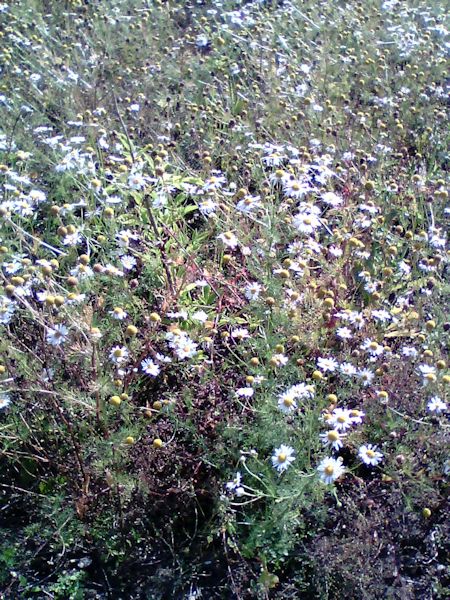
(131, 330)
(115, 400)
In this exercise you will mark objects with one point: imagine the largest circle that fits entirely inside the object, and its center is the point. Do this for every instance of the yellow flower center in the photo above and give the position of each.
(282, 457)
(370, 453)
(329, 470)
(333, 436)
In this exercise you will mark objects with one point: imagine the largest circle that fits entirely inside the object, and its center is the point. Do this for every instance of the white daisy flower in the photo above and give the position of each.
(118, 313)
(5, 400)
(163, 358)
(369, 455)
(124, 237)
(330, 469)
(286, 402)
(341, 419)
(57, 335)
(228, 239)
(279, 360)
(118, 354)
(136, 181)
(344, 333)
(306, 222)
(381, 315)
(436, 405)
(302, 390)
(409, 351)
(428, 373)
(296, 188)
(332, 439)
(240, 333)
(128, 262)
(356, 416)
(184, 347)
(248, 204)
(82, 271)
(246, 392)
(253, 290)
(327, 364)
(150, 368)
(336, 252)
(7, 308)
(282, 458)
(356, 319)
(366, 376)
(371, 347)
(72, 239)
(200, 315)
(234, 483)
(207, 206)
(331, 199)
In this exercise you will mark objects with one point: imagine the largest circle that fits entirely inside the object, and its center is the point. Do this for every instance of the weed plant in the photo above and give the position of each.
(224, 277)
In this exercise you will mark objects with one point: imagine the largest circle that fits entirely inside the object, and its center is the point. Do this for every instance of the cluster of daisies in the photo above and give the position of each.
(339, 422)
(182, 346)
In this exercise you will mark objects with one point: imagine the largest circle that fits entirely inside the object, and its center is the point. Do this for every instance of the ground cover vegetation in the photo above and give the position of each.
(223, 260)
